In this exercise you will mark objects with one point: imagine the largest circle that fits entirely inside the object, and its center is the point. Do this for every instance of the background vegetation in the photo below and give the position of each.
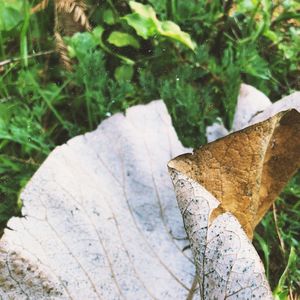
(132, 55)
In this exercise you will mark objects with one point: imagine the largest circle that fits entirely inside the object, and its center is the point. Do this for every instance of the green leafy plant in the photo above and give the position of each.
(281, 291)
(144, 21)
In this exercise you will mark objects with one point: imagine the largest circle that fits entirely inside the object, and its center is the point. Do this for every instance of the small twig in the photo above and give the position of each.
(29, 161)
(277, 229)
(69, 17)
(291, 297)
(40, 6)
(62, 50)
(15, 59)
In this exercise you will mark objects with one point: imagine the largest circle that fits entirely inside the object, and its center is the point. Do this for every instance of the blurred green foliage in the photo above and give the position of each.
(193, 54)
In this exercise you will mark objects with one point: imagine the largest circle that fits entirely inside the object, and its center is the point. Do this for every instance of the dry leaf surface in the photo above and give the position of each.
(224, 189)
(216, 131)
(289, 102)
(228, 266)
(247, 169)
(250, 103)
(101, 220)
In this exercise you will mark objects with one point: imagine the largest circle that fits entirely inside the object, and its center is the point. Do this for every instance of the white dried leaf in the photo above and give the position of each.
(101, 220)
(250, 102)
(289, 102)
(215, 131)
(228, 265)
(252, 107)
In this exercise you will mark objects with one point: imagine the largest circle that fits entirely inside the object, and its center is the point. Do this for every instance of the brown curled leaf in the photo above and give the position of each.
(224, 188)
(246, 170)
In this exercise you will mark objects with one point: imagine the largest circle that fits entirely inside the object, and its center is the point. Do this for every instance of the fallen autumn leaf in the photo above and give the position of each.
(101, 220)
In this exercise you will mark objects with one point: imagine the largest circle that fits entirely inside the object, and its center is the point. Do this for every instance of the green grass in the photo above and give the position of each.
(277, 239)
(42, 105)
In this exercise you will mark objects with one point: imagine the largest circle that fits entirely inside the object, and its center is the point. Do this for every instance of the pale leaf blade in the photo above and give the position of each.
(250, 102)
(101, 218)
(228, 266)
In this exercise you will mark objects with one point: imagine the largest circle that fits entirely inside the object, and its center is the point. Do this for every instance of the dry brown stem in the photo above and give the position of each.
(70, 17)
(40, 6)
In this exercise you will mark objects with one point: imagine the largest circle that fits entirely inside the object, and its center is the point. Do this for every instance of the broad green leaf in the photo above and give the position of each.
(172, 30)
(97, 36)
(108, 17)
(98, 31)
(144, 21)
(124, 73)
(71, 51)
(122, 39)
(145, 11)
(81, 43)
(144, 27)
